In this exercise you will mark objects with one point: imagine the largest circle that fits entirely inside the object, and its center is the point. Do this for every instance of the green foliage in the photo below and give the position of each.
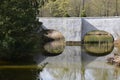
(42, 3)
(17, 27)
(93, 8)
(83, 13)
(56, 8)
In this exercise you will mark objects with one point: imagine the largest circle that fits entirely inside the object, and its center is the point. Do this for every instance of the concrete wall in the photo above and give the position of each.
(111, 25)
(69, 27)
(74, 29)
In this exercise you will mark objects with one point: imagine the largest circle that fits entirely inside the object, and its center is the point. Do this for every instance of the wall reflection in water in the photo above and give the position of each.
(97, 48)
(66, 66)
(102, 74)
(61, 73)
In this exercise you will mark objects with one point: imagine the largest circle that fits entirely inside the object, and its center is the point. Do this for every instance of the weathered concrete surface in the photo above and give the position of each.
(69, 27)
(111, 25)
(73, 28)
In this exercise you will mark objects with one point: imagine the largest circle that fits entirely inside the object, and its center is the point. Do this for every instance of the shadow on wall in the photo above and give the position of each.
(42, 27)
(86, 58)
(40, 54)
(86, 27)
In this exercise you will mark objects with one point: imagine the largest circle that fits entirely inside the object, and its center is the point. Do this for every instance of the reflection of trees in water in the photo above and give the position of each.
(18, 74)
(98, 49)
(98, 74)
(116, 73)
(53, 42)
(61, 73)
(25, 69)
(98, 42)
(101, 73)
(54, 47)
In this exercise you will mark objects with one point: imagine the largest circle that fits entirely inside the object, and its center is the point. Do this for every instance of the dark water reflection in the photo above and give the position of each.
(66, 66)
(53, 42)
(19, 70)
(72, 64)
(98, 43)
(19, 74)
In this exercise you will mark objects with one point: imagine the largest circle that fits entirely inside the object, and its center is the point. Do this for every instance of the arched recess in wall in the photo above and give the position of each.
(53, 42)
(98, 43)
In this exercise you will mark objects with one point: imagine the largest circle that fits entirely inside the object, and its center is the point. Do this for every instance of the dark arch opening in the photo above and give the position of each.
(98, 43)
(53, 42)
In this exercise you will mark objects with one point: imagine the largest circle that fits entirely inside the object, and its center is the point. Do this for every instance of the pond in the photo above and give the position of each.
(57, 61)
(72, 64)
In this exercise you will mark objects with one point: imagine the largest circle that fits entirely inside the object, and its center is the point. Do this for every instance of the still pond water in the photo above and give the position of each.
(74, 63)
(67, 62)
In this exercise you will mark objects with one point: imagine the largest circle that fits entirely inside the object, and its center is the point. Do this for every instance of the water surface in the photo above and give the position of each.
(74, 63)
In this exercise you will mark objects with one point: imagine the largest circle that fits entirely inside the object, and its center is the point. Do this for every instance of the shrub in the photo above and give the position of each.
(83, 13)
(18, 23)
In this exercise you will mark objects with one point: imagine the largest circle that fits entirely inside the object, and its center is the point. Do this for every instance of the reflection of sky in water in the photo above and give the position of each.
(102, 74)
(88, 75)
(60, 74)
(66, 66)
(95, 68)
(45, 75)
